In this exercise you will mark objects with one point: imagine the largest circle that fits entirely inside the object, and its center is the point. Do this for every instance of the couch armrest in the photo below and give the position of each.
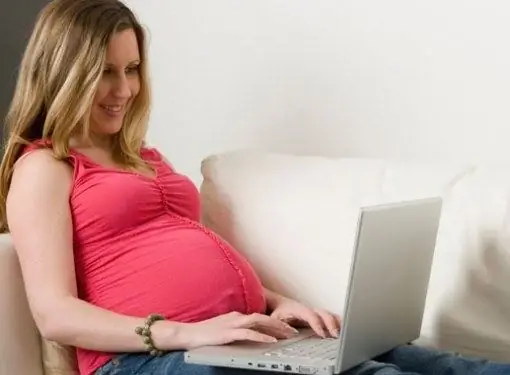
(20, 348)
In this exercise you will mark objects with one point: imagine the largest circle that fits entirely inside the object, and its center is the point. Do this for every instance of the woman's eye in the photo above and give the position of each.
(132, 69)
(128, 70)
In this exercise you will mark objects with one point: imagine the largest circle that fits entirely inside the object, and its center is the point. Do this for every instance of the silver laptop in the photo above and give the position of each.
(384, 305)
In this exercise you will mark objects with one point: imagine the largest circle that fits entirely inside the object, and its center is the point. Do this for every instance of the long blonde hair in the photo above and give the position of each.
(58, 77)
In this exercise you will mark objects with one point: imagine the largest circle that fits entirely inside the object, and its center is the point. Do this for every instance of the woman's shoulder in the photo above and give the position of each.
(37, 162)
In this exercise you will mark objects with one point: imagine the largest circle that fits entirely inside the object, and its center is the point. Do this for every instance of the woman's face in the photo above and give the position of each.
(119, 85)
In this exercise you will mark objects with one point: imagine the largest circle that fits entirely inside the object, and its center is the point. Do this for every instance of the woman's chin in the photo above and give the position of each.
(108, 127)
(112, 130)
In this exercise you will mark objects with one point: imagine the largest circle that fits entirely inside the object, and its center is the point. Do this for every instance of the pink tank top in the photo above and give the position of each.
(139, 249)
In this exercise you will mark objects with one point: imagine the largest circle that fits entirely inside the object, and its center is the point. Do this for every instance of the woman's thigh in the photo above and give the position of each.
(405, 360)
(426, 361)
(173, 364)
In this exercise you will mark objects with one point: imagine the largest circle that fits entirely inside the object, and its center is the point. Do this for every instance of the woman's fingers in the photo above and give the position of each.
(267, 325)
(246, 334)
(330, 321)
(315, 322)
(323, 323)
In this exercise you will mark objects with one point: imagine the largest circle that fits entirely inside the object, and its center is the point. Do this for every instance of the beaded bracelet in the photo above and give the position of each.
(146, 334)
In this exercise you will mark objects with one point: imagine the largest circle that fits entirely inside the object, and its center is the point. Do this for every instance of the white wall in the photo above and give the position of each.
(393, 78)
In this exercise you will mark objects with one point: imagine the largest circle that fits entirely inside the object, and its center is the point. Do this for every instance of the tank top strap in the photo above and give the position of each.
(151, 154)
(36, 145)
(76, 160)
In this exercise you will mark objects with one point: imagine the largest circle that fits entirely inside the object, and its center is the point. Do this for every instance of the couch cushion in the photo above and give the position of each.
(59, 359)
(21, 349)
(295, 218)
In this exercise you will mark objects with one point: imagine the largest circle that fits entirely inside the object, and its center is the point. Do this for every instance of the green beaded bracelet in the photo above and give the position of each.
(146, 334)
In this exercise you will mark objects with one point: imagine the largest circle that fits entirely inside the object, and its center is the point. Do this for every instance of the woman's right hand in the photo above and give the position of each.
(232, 327)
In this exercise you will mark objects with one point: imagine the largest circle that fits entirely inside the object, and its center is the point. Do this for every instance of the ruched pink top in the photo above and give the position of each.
(139, 249)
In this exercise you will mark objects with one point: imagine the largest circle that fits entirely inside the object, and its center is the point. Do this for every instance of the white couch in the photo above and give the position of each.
(294, 217)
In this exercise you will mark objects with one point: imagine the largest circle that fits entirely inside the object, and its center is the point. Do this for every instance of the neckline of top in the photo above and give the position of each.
(153, 178)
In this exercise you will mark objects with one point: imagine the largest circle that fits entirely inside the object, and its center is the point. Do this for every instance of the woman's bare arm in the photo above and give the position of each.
(40, 223)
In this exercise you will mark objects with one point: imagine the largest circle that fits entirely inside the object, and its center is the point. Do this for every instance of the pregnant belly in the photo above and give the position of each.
(183, 273)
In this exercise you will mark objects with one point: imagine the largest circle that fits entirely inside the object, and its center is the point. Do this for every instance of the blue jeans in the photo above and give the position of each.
(404, 360)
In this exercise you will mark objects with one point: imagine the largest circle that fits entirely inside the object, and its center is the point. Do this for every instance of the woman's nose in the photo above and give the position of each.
(122, 88)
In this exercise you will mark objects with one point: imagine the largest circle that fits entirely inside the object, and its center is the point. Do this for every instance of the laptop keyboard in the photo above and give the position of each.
(312, 348)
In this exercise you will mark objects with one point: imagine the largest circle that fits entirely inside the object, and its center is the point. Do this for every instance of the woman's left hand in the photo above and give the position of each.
(323, 323)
